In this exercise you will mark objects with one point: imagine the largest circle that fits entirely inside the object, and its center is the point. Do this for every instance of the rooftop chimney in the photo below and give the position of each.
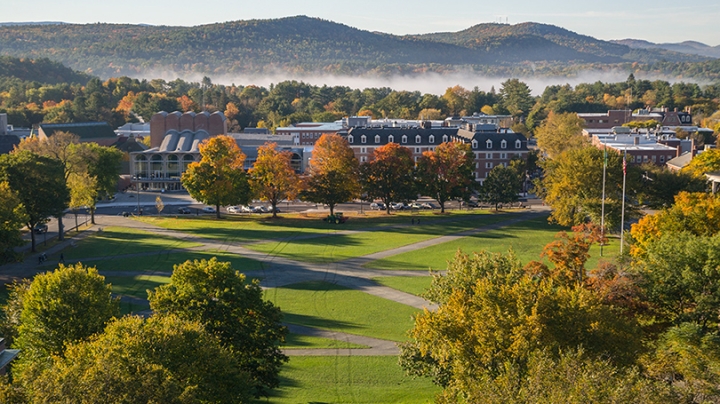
(636, 140)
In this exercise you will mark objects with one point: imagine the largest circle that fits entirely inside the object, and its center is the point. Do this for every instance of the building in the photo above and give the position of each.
(97, 132)
(6, 356)
(307, 133)
(491, 145)
(641, 148)
(479, 118)
(619, 117)
(137, 130)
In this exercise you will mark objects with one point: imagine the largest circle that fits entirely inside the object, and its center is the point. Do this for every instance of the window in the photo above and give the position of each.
(363, 150)
(445, 138)
(377, 138)
(417, 150)
(363, 139)
(662, 158)
(645, 158)
(363, 159)
(488, 156)
(431, 139)
(416, 159)
(350, 138)
(418, 139)
(404, 139)
(518, 144)
(488, 165)
(488, 144)
(503, 155)
(474, 144)
(477, 164)
(503, 144)
(391, 139)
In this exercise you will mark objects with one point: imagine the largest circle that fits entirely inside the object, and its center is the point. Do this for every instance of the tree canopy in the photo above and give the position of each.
(389, 176)
(447, 172)
(272, 177)
(333, 172)
(560, 132)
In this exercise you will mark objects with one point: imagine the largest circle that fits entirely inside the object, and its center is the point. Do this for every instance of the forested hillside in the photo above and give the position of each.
(303, 44)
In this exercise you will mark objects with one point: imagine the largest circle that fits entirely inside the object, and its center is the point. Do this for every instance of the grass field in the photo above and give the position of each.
(114, 241)
(415, 285)
(296, 341)
(331, 307)
(164, 262)
(135, 286)
(350, 379)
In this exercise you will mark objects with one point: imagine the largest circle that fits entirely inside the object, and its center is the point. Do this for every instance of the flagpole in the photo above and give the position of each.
(602, 211)
(622, 213)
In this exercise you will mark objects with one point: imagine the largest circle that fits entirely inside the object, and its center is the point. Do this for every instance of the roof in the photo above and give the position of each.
(7, 143)
(85, 130)
(680, 161)
(355, 134)
(128, 145)
(312, 127)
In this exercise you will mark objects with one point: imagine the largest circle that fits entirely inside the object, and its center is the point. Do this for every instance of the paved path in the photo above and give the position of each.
(279, 271)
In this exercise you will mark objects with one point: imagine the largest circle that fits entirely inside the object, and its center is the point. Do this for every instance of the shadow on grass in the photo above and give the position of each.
(317, 286)
(319, 322)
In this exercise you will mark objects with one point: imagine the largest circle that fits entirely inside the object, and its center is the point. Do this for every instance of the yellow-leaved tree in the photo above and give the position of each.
(272, 177)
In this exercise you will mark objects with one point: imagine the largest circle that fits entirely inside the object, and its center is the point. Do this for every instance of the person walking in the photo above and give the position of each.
(62, 258)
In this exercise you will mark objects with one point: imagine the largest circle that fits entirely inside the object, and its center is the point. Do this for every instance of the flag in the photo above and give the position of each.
(625, 164)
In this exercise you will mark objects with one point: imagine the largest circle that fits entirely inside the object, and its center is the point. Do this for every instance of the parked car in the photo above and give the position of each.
(471, 204)
(40, 228)
(399, 206)
(259, 209)
(233, 209)
(377, 206)
(416, 205)
(184, 210)
(246, 209)
(208, 209)
(429, 205)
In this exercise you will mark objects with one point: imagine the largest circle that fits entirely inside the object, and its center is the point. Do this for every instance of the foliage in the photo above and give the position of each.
(705, 162)
(272, 176)
(218, 179)
(39, 184)
(160, 360)
(447, 172)
(572, 186)
(501, 186)
(231, 308)
(560, 132)
(648, 124)
(389, 176)
(660, 185)
(12, 218)
(333, 172)
(515, 97)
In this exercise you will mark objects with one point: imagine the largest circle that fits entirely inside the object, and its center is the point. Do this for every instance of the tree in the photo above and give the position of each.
(501, 186)
(492, 312)
(705, 162)
(272, 177)
(12, 217)
(83, 192)
(104, 165)
(447, 172)
(572, 186)
(219, 297)
(560, 132)
(67, 305)
(39, 184)
(160, 360)
(218, 179)
(389, 175)
(333, 172)
(660, 185)
(515, 97)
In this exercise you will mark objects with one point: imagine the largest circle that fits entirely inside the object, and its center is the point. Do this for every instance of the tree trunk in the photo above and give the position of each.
(273, 206)
(92, 215)
(332, 208)
(32, 238)
(217, 211)
(61, 233)
(77, 228)
(442, 206)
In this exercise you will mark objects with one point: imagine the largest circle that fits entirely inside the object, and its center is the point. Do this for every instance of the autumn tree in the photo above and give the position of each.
(560, 132)
(163, 359)
(218, 179)
(447, 172)
(501, 186)
(272, 177)
(705, 162)
(12, 218)
(333, 172)
(231, 308)
(39, 184)
(389, 175)
(103, 164)
(659, 185)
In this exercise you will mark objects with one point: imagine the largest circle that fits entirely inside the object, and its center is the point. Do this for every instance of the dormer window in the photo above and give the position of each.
(431, 139)
(391, 139)
(474, 144)
(488, 144)
(377, 138)
(503, 144)
(445, 138)
(418, 139)
(518, 144)
(404, 139)
(363, 139)
(350, 138)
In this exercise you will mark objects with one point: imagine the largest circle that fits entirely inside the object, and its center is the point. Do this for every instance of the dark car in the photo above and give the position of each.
(184, 211)
(40, 228)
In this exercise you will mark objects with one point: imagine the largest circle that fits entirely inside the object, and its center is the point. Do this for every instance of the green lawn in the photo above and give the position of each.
(349, 379)
(339, 247)
(114, 241)
(331, 307)
(415, 285)
(164, 262)
(296, 341)
(135, 286)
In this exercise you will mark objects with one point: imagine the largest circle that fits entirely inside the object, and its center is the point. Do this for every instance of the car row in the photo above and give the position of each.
(251, 209)
(402, 206)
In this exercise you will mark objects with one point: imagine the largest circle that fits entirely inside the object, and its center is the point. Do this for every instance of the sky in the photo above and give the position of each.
(656, 21)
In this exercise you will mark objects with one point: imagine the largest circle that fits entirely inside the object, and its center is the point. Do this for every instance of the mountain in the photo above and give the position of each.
(687, 47)
(41, 70)
(303, 44)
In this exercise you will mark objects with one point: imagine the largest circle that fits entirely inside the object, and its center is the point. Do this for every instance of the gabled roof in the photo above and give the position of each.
(85, 130)
(680, 161)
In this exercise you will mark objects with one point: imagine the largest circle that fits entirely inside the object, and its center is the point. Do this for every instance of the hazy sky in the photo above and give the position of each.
(655, 21)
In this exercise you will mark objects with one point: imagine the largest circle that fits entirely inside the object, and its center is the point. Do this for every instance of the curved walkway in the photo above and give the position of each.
(281, 271)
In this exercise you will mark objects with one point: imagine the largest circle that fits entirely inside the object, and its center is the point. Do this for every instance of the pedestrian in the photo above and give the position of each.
(413, 220)
(62, 258)
(418, 221)
(40, 259)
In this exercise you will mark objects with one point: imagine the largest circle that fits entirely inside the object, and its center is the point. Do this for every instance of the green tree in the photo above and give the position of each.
(560, 132)
(218, 179)
(333, 172)
(38, 182)
(104, 165)
(660, 185)
(515, 97)
(231, 308)
(12, 217)
(67, 305)
(501, 186)
(160, 360)
(83, 192)
(272, 177)
(447, 172)
(389, 175)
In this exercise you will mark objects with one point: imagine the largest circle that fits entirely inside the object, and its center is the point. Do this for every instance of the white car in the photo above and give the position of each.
(246, 209)
(208, 209)
(233, 209)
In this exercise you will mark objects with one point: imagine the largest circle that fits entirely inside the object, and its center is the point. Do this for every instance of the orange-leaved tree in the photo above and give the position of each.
(389, 175)
(272, 177)
(447, 172)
